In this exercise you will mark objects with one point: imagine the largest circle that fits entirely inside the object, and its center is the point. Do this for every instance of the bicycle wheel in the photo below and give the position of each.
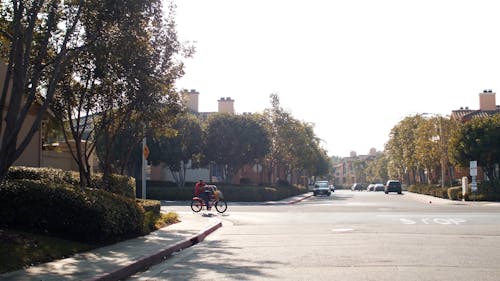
(196, 205)
(221, 206)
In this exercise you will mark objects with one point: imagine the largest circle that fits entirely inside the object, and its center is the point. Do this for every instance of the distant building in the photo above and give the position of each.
(226, 105)
(347, 172)
(487, 107)
(209, 174)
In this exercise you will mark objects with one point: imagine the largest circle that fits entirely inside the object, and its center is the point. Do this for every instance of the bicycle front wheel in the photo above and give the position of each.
(221, 206)
(196, 205)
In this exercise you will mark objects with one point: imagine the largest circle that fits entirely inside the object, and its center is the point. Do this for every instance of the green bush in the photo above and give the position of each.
(455, 193)
(235, 193)
(118, 184)
(487, 191)
(93, 216)
(169, 193)
(150, 205)
(432, 190)
(43, 174)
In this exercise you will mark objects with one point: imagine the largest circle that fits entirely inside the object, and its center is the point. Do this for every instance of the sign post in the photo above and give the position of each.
(465, 183)
(145, 154)
(473, 174)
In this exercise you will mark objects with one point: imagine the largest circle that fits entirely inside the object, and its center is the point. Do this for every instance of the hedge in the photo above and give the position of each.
(93, 215)
(235, 193)
(118, 184)
(487, 191)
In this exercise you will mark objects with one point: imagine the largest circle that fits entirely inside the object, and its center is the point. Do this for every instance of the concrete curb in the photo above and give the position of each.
(300, 199)
(147, 261)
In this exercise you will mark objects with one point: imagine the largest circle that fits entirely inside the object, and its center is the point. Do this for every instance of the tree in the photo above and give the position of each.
(278, 122)
(40, 37)
(232, 141)
(295, 149)
(478, 140)
(427, 146)
(401, 149)
(377, 169)
(178, 147)
(122, 83)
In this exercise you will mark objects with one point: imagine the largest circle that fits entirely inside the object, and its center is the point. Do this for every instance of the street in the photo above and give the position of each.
(347, 236)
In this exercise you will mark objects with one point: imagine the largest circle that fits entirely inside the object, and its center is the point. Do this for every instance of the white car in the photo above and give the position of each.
(321, 188)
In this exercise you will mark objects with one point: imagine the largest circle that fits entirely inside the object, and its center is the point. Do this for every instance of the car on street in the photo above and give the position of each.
(357, 186)
(393, 186)
(379, 187)
(321, 188)
(370, 187)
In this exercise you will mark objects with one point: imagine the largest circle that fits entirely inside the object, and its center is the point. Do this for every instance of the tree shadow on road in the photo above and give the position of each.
(217, 259)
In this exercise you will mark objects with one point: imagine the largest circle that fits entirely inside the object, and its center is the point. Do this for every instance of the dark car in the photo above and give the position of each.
(357, 186)
(393, 186)
(322, 188)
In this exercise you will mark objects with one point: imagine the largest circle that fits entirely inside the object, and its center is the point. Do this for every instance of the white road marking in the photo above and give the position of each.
(441, 221)
(342, 229)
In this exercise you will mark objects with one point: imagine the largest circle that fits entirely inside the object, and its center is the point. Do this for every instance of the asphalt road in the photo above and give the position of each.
(347, 236)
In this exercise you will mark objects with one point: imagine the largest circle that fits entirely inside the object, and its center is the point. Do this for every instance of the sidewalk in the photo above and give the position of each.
(436, 200)
(123, 259)
(291, 200)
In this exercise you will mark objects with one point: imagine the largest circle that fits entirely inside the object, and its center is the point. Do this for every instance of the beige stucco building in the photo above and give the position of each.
(54, 156)
(32, 155)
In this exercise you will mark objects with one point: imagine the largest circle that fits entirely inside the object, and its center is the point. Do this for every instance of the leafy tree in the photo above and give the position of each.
(377, 169)
(122, 83)
(478, 140)
(305, 154)
(38, 38)
(235, 140)
(278, 122)
(178, 147)
(427, 146)
(295, 149)
(360, 167)
(401, 149)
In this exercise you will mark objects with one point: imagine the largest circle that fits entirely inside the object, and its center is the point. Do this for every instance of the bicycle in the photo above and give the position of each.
(216, 200)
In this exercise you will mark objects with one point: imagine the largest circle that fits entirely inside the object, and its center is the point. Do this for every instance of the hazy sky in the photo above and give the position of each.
(354, 68)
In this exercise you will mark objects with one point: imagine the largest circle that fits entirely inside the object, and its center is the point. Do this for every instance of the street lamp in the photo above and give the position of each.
(441, 144)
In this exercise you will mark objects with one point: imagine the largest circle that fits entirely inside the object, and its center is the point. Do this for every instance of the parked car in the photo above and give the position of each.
(321, 188)
(370, 187)
(393, 186)
(357, 186)
(379, 187)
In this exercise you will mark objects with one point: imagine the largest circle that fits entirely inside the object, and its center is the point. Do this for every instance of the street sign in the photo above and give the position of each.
(473, 168)
(473, 186)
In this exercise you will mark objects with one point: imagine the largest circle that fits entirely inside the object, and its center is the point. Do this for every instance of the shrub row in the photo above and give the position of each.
(94, 215)
(436, 191)
(235, 193)
(117, 184)
(487, 191)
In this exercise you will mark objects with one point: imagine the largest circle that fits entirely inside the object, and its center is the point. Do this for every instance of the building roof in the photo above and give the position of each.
(467, 114)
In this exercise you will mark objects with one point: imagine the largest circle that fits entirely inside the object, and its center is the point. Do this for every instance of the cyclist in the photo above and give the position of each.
(201, 190)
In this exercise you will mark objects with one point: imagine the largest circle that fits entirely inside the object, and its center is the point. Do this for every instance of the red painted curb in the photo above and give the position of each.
(147, 261)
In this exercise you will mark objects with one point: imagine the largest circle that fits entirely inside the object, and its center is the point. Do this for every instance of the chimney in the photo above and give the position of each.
(487, 100)
(192, 98)
(226, 105)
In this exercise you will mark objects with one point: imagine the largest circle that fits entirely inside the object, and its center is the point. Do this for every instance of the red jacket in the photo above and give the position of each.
(199, 188)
